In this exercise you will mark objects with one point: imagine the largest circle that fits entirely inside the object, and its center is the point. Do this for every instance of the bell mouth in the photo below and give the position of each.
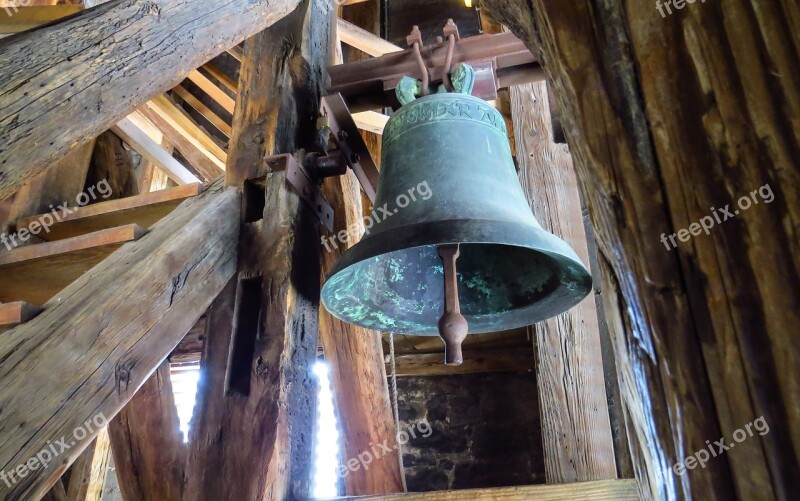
(509, 275)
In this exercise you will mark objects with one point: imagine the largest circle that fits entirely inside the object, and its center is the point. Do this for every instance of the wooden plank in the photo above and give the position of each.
(88, 473)
(599, 490)
(59, 184)
(175, 120)
(23, 18)
(143, 210)
(258, 391)
(702, 324)
(126, 44)
(576, 431)
(236, 52)
(475, 361)
(19, 312)
(210, 88)
(230, 84)
(92, 348)
(37, 273)
(56, 493)
(149, 455)
(204, 110)
(371, 121)
(136, 137)
(363, 40)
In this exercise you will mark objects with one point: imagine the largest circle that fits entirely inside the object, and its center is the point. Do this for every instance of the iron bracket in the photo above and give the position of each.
(305, 186)
(346, 138)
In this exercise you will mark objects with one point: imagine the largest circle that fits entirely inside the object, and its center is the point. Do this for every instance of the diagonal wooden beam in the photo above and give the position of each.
(204, 110)
(228, 103)
(88, 474)
(52, 72)
(149, 456)
(365, 41)
(130, 131)
(87, 354)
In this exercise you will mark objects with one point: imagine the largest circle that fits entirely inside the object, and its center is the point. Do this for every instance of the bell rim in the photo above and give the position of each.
(487, 232)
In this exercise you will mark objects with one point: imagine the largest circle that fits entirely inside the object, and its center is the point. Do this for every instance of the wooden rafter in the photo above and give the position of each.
(90, 350)
(34, 138)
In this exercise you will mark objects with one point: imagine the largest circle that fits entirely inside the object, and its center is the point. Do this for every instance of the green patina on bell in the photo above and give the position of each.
(452, 150)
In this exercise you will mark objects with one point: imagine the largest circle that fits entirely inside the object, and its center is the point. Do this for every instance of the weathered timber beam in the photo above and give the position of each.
(23, 18)
(149, 455)
(703, 327)
(89, 351)
(475, 362)
(363, 40)
(88, 473)
(261, 342)
(599, 490)
(51, 73)
(130, 131)
(112, 165)
(576, 431)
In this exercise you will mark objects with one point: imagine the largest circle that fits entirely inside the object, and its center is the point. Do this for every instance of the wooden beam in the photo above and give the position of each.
(149, 455)
(135, 136)
(204, 110)
(20, 18)
(59, 184)
(13, 314)
(210, 88)
(363, 40)
(200, 150)
(475, 362)
(262, 331)
(56, 493)
(601, 490)
(371, 121)
(36, 273)
(358, 376)
(88, 473)
(33, 103)
(112, 164)
(576, 431)
(143, 210)
(230, 84)
(701, 325)
(85, 356)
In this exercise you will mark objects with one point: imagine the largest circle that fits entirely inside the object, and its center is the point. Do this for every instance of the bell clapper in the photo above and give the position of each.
(453, 326)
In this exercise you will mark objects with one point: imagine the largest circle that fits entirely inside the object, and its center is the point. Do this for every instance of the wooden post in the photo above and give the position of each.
(149, 455)
(83, 358)
(576, 433)
(88, 474)
(252, 437)
(51, 97)
(673, 118)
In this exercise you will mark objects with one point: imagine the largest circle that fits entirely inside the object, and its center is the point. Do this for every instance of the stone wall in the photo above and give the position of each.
(485, 431)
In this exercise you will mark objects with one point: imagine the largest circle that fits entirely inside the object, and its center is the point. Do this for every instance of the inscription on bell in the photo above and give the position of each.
(444, 110)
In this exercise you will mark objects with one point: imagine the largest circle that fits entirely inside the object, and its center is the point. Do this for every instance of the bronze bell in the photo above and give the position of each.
(452, 215)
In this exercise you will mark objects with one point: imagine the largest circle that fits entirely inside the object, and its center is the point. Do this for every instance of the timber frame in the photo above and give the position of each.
(206, 253)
